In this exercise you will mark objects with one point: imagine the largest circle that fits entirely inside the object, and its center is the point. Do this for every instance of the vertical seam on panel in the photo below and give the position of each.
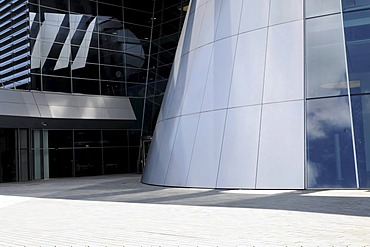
(349, 100)
(212, 57)
(192, 150)
(173, 145)
(182, 55)
(199, 113)
(228, 99)
(263, 91)
(305, 153)
(158, 149)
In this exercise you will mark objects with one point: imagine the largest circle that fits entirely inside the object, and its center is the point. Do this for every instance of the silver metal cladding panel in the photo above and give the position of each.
(223, 86)
(66, 106)
(284, 75)
(281, 151)
(158, 174)
(180, 86)
(182, 151)
(197, 80)
(249, 69)
(228, 22)
(217, 90)
(322, 7)
(240, 148)
(255, 15)
(207, 147)
(153, 152)
(282, 11)
(209, 24)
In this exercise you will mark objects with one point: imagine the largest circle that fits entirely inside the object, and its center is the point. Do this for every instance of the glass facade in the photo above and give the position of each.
(337, 88)
(126, 49)
(97, 47)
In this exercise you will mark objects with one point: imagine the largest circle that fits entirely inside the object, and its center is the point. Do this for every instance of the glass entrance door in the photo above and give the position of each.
(8, 169)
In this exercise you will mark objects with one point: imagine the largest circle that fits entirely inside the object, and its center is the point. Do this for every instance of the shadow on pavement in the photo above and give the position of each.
(127, 188)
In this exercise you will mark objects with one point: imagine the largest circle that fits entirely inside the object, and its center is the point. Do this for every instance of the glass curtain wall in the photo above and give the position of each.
(330, 158)
(356, 16)
(338, 93)
(168, 18)
(15, 47)
(70, 153)
(90, 47)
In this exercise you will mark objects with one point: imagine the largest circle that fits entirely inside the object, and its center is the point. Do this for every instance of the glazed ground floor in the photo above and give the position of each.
(31, 154)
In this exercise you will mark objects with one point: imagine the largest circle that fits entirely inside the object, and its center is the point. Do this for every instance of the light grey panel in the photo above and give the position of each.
(99, 113)
(55, 99)
(40, 98)
(164, 154)
(195, 4)
(180, 85)
(192, 30)
(325, 57)
(255, 15)
(65, 112)
(182, 151)
(45, 111)
(285, 10)
(11, 96)
(117, 102)
(121, 114)
(228, 22)
(209, 24)
(281, 152)
(153, 151)
(170, 90)
(13, 109)
(240, 147)
(219, 76)
(180, 44)
(197, 80)
(99, 101)
(284, 77)
(322, 7)
(207, 148)
(249, 68)
(32, 110)
(28, 98)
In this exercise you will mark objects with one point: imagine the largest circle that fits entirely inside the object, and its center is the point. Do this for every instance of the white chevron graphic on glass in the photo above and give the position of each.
(32, 18)
(45, 39)
(81, 57)
(65, 54)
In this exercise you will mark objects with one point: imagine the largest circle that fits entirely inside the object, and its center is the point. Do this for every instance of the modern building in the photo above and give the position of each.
(267, 94)
(81, 82)
(262, 94)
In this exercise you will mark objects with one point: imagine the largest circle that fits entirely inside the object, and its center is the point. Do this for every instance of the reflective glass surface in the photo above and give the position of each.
(81, 39)
(361, 121)
(357, 33)
(325, 58)
(330, 159)
(321, 7)
(355, 4)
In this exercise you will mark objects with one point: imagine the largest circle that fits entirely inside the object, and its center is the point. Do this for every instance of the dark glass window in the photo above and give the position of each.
(361, 122)
(357, 32)
(330, 159)
(355, 4)
(60, 139)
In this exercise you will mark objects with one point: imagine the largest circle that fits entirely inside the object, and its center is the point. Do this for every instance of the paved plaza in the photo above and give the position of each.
(118, 210)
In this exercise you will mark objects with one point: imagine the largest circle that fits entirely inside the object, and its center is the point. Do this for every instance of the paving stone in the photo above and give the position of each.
(118, 210)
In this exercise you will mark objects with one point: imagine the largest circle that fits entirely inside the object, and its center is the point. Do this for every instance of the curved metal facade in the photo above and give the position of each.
(267, 94)
(233, 114)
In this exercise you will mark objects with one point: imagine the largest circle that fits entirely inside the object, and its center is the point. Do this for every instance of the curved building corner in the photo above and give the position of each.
(266, 94)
